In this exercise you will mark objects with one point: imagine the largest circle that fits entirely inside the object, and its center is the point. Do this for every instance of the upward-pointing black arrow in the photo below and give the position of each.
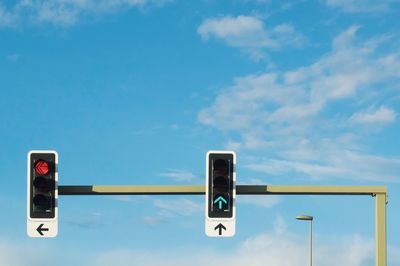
(220, 227)
(40, 229)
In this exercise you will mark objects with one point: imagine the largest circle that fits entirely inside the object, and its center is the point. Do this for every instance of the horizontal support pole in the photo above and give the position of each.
(131, 190)
(240, 190)
(314, 190)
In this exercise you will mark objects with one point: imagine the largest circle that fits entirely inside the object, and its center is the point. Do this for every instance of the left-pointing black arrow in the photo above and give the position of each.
(40, 229)
(220, 227)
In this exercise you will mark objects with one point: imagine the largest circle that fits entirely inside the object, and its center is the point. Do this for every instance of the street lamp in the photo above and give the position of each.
(307, 218)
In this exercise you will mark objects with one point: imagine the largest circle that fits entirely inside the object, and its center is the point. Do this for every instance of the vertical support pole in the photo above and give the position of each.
(311, 243)
(380, 229)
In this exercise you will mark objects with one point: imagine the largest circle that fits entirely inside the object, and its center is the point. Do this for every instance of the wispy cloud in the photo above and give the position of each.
(155, 220)
(85, 221)
(11, 253)
(260, 201)
(383, 115)
(7, 18)
(250, 34)
(13, 57)
(339, 164)
(290, 114)
(129, 198)
(180, 175)
(180, 206)
(64, 13)
(270, 248)
(166, 210)
(364, 6)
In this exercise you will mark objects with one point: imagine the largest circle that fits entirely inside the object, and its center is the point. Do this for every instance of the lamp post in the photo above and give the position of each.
(307, 218)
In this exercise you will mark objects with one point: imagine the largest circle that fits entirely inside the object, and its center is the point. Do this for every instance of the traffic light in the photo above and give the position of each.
(42, 194)
(220, 193)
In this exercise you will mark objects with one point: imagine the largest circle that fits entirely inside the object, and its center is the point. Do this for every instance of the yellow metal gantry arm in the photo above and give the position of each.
(379, 192)
(240, 190)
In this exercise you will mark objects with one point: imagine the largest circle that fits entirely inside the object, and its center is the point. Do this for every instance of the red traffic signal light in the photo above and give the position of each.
(42, 167)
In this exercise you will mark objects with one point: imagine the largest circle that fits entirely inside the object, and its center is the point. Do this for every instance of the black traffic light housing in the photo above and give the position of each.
(221, 191)
(42, 185)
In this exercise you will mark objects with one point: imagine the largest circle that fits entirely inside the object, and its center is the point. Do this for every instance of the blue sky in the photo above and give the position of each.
(136, 92)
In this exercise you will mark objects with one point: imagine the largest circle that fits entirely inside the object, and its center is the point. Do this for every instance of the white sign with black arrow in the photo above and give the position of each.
(220, 228)
(42, 229)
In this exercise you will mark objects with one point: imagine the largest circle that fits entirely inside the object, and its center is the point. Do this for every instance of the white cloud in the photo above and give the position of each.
(180, 175)
(21, 254)
(64, 12)
(269, 248)
(276, 248)
(6, 18)
(154, 220)
(259, 200)
(129, 198)
(13, 57)
(164, 209)
(247, 102)
(363, 6)
(250, 34)
(277, 167)
(168, 209)
(340, 164)
(180, 206)
(382, 115)
(233, 29)
(290, 113)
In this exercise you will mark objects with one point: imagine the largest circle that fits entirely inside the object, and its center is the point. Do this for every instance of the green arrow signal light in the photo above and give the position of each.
(220, 200)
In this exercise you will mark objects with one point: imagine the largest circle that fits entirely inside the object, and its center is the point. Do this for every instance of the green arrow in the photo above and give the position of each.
(220, 200)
